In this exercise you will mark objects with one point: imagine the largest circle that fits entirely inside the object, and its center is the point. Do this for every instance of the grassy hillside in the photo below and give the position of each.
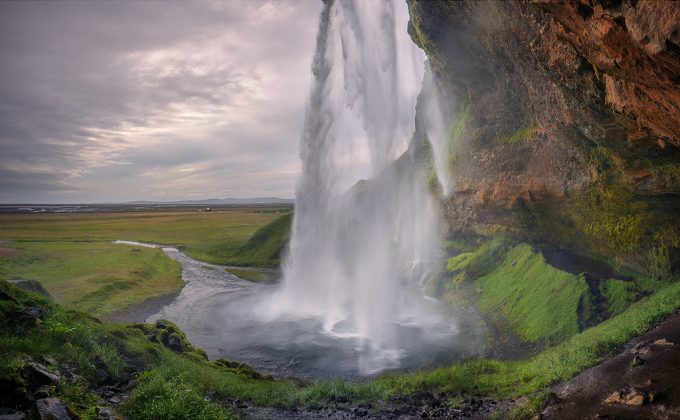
(519, 291)
(263, 249)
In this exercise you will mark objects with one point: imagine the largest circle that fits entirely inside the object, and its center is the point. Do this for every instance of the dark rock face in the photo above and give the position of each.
(567, 118)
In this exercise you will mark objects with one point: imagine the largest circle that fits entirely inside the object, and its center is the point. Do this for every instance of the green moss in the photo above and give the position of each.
(455, 132)
(536, 300)
(522, 134)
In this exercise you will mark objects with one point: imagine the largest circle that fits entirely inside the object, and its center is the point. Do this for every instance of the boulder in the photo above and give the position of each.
(38, 375)
(11, 414)
(53, 409)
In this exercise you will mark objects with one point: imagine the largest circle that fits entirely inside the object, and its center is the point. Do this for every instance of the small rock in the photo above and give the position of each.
(614, 398)
(663, 342)
(53, 409)
(104, 413)
(175, 344)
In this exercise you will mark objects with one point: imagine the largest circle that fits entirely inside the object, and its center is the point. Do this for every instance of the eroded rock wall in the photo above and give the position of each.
(565, 124)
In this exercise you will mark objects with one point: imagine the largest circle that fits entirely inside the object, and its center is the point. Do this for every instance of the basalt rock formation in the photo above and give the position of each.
(565, 122)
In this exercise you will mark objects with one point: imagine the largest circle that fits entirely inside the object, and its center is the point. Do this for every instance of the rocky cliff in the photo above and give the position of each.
(564, 122)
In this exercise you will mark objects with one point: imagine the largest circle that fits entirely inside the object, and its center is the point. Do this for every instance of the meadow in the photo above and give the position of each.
(71, 254)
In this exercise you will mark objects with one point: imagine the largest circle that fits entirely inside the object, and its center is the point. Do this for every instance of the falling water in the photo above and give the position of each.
(364, 225)
(365, 232)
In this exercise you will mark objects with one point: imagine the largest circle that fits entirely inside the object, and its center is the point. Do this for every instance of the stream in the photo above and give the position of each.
(222, 314)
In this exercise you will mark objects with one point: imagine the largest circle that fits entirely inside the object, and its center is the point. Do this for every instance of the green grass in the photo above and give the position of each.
(97, 277)
(538, 301)
(190, 229)
(523, 134)
(73, 257)
(519, 292)
(263, 249)
(248, 274)
(176, 385)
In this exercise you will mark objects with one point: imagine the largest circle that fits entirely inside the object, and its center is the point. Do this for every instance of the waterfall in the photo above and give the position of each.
(365, 229)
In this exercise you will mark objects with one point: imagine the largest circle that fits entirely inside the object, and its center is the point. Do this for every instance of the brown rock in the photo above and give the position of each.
(615, 397)
(636, 399)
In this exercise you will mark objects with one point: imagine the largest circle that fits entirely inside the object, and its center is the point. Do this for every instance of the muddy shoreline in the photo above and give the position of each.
(142, 311)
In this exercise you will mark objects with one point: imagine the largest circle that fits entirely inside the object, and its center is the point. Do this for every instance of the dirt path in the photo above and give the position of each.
(640, 382)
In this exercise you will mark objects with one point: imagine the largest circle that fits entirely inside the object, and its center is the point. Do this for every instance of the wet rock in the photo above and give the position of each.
(38, 375)
(28, 315)
(31, 286)
(53, 409)
(175, 343)
(104, 413)
(11, 414)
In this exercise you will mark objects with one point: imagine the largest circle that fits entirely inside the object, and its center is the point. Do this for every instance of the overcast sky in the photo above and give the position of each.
(130, 100)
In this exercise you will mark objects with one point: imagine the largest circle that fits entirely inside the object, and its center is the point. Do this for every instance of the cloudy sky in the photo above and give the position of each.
(131, 100)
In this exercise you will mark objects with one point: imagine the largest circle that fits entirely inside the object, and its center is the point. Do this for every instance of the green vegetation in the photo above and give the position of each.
(97, 277)
(73, 257)
(522, 134)
(175, 384)
(263, 248)
(518, 291)
(538, 301)
(248, 274)
(189, 229)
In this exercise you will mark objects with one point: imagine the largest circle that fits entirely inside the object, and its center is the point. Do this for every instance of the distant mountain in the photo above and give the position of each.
(228, 200)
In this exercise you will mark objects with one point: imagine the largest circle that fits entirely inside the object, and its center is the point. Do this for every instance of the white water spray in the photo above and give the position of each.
(359, 249)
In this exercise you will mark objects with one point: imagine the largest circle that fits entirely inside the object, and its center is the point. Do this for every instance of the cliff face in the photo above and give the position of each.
(565, 122)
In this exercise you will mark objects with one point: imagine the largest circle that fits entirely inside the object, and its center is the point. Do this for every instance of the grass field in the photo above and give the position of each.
(96, 277)
(190, 229)
(71, 254)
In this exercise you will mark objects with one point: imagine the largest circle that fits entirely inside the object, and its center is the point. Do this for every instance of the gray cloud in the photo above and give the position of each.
(147, 100)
